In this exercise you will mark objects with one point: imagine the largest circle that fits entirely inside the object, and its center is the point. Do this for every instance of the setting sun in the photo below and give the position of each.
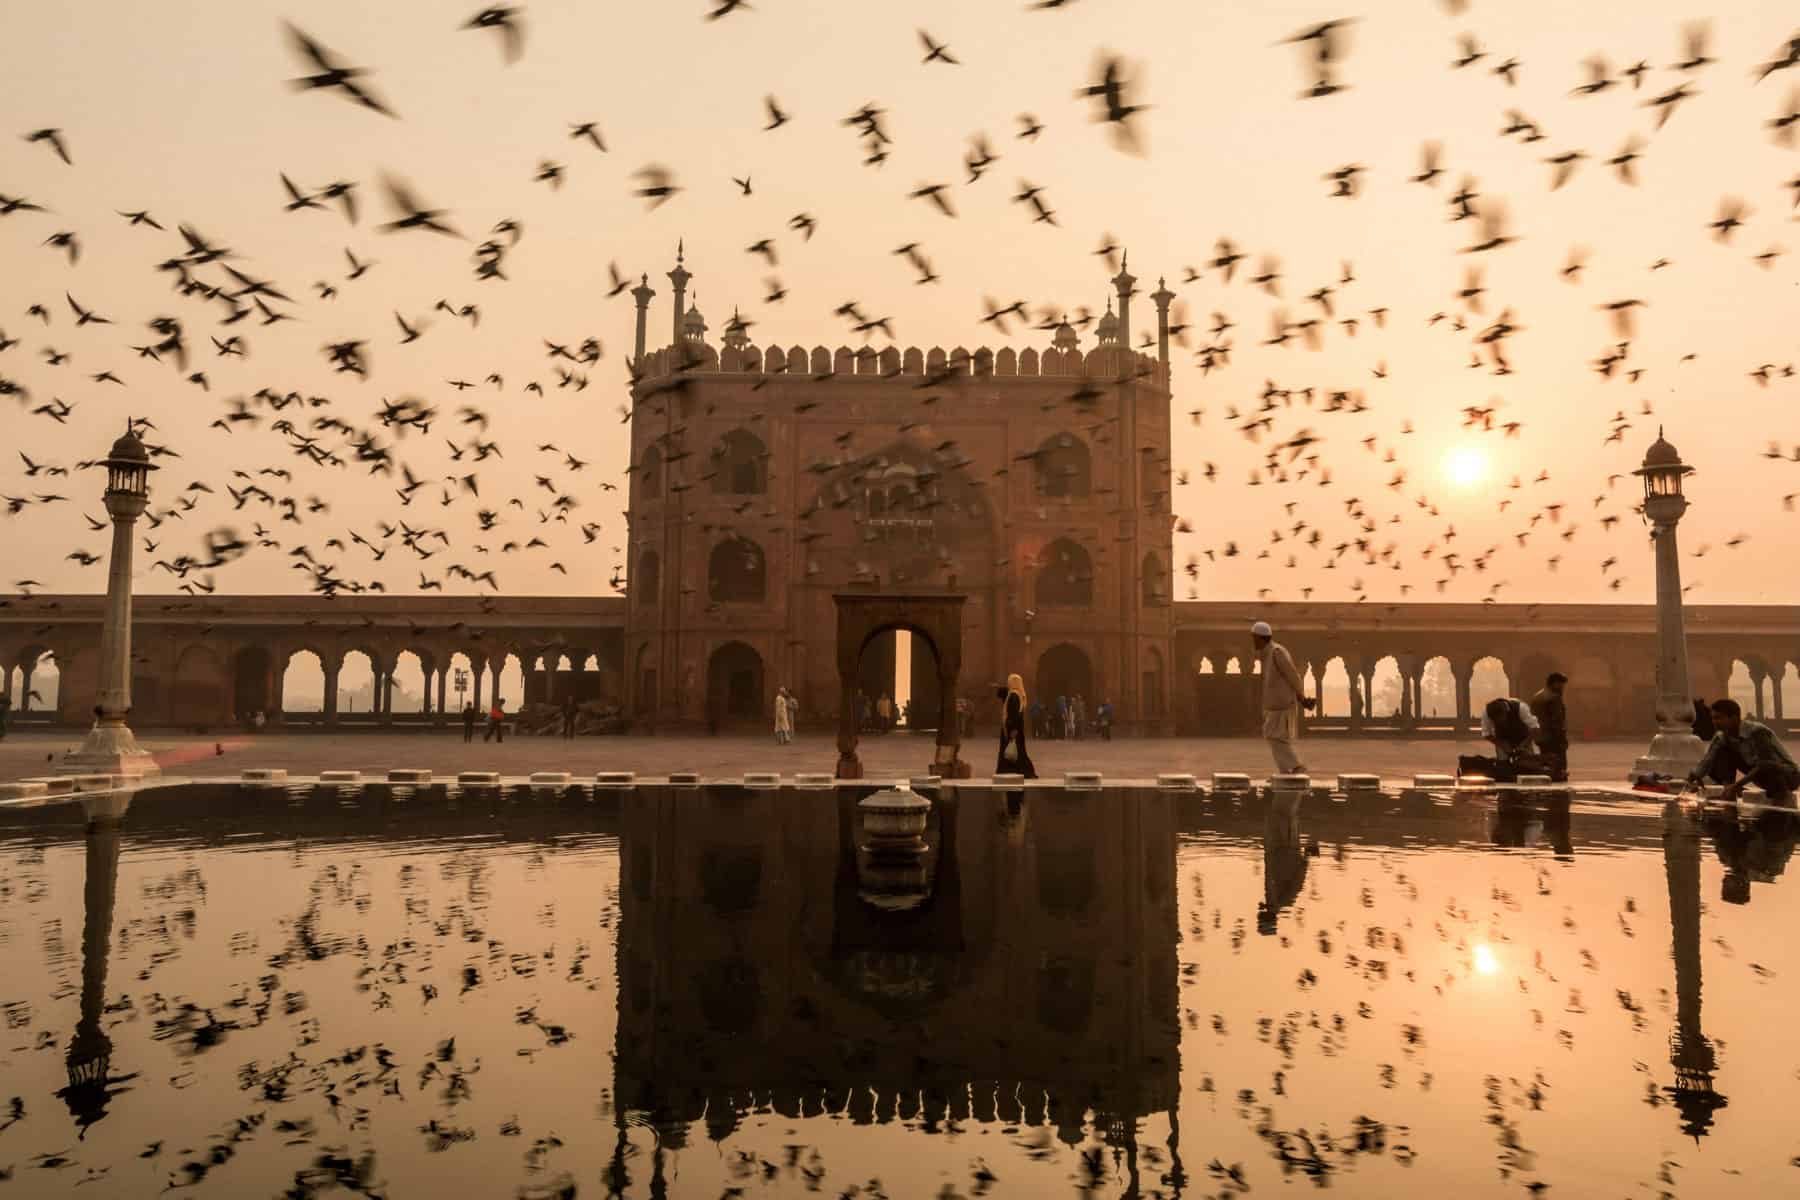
(1465, 466)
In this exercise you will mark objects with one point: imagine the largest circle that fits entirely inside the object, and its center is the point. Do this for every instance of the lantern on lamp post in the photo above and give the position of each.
(1674, 750)
(110, 747)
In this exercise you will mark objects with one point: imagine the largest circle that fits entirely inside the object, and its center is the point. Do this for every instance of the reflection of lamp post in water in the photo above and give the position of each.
(89, 1060)
(110, 747)
(1674, 750)
(1689, 1051)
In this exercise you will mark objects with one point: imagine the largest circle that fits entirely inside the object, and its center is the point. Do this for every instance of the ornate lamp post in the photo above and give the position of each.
(110, 747)
(1674, 750)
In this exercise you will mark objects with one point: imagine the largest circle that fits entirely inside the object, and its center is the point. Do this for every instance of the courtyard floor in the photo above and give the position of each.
(894, 756)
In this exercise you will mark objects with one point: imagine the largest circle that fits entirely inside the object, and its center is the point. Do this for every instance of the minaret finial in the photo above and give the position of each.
(680, 251)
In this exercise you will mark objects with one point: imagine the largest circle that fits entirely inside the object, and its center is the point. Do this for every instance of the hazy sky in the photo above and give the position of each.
(185, 112)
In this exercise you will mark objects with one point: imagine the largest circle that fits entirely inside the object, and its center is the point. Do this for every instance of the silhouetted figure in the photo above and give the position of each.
(496, 723)
(5, 711)
(468, 715)
(1553, 726)
(1743, 752)
(570, 710)
(1703, 722)
(1013, 707)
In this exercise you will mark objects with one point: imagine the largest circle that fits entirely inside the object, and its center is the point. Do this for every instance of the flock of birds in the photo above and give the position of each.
(446, 525)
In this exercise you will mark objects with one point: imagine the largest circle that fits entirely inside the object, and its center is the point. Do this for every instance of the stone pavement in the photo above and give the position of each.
(894, 756)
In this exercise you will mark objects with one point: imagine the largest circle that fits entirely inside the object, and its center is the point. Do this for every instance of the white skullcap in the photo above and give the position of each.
(1261, 629)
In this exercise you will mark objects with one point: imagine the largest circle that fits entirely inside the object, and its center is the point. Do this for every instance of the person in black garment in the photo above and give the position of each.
(1013, 707)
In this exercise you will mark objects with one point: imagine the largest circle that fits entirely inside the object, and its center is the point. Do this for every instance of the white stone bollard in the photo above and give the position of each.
(263, 775)
(1175, 781)
(475, 778)
(1359, 783)
(413, 775)
(340, 776)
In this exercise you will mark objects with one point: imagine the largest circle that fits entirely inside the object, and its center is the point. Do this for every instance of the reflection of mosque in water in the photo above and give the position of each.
(1037, 981)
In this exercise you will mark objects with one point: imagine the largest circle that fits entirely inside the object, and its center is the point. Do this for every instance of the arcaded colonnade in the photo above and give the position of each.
(1607, 651)
(204, 662)
(217, 661)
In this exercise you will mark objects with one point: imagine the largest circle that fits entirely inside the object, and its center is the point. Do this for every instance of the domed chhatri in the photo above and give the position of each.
(1661, 453)
(1108, 330)
(129, 448)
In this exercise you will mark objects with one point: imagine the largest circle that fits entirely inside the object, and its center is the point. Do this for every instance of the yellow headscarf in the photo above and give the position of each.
(1016, 685)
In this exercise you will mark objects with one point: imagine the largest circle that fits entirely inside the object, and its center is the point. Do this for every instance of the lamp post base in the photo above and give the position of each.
(1673, 752)
(109, 749)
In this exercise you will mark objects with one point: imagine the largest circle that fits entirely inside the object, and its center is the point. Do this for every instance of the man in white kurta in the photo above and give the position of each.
(1281, 693)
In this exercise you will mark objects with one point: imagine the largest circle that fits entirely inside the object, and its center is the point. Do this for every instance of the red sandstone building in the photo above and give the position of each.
(766, 480)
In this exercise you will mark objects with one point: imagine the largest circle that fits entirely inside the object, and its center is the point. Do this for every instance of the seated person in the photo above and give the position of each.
(1508, 722)
(1744, 752)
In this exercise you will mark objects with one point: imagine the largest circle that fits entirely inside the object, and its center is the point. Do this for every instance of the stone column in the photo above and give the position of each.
(947, 758)
(1464, 676)
(443, 677)
(110, 746)
(477, 670)
(678, 279)
(849, 765)
(1757, 676)
(25, 672)
(331, 668)
(1674, 749)
(277, 689)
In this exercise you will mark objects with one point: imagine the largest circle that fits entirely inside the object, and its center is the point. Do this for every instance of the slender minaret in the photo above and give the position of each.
(642, 293)
(1162, 296)
(1123, 282)
(678, 279)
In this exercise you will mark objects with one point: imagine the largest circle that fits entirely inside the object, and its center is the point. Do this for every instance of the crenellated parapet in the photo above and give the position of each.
(1107, 363)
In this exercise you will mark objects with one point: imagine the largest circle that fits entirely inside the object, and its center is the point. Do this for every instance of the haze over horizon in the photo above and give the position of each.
(190, 118)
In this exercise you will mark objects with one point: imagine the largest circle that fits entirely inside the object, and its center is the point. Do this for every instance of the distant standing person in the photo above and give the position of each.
(1553, 726)
(1282, 698)
(5, 711)
(784, 718)
(1744, 752)
(1103, 716)
(1013, 759)
(569, 712)
(496, 726)
(469, 721)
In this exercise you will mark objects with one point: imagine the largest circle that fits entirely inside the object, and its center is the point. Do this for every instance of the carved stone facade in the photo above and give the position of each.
(765, 480)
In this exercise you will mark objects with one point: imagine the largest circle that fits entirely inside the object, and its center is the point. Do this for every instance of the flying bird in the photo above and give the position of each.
(332, 73)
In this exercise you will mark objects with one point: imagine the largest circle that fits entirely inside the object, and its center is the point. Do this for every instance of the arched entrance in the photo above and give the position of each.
(1064, 670)
(878, 674)
(734, 685)
(935, 622)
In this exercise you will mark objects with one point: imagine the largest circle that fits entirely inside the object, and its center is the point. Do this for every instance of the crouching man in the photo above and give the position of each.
(1744, 752)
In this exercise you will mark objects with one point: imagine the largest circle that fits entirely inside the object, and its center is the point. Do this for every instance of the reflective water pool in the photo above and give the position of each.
(714, 991)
